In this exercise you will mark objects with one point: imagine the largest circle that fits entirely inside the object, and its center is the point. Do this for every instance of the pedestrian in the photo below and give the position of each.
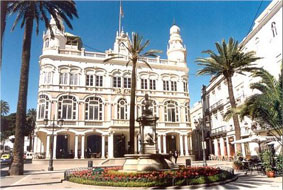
(176, 156)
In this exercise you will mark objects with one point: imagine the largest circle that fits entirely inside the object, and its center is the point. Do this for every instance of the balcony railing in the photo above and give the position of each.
(84, 53)
(219, 131)
(216, 105)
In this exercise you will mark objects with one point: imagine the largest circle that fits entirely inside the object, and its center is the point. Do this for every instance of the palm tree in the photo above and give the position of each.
(28, 12)
(31, 118)
(135, 48)
(4, 5)
(228, 60)
(266, 106)
(4, 107)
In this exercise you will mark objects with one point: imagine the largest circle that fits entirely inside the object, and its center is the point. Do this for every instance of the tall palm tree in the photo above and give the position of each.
(28, 12)
(4, 107)
(135, 48)
(4, 6)
(31, 118)
(228, 60)
(266, 106)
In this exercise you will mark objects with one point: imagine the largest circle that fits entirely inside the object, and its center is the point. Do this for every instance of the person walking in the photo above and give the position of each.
(176, 156)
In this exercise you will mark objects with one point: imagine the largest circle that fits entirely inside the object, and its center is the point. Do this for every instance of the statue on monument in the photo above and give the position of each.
(147, 104)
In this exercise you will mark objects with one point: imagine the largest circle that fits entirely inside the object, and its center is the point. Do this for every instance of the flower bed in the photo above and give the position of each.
(113, 177)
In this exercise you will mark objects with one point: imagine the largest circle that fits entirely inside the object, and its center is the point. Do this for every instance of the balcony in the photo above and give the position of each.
(219, 131)
(216, 105)
(100, 55)
(93, 123)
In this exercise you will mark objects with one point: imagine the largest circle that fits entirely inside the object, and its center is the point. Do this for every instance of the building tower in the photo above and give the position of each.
(176, 50)
(58, 42)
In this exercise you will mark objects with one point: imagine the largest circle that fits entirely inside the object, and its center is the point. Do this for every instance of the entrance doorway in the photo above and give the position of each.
(62, 146)
(94, 146)
(119, 145)
(171, 143)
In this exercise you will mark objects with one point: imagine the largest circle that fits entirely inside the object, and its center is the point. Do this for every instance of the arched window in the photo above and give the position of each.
(67, 107)
(69, 77)
(273, 28)
(47, 77)
(153, 108)
(171, 111)
(122, 110)
(43, 106)
(46, 43)
(187, 112)
(93, 108)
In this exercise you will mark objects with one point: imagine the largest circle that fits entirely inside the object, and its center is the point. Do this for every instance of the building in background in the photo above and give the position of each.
(93, 98)
(266, 40)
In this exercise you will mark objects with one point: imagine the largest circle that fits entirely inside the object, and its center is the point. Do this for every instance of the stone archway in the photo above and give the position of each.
(171, 145)
(94, 146)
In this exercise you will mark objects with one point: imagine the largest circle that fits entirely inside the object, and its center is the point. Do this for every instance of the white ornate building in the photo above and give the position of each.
(93, 98)
(266, 40)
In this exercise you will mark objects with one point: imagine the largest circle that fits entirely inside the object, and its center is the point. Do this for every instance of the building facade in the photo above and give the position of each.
(93, 98)
(266, 40)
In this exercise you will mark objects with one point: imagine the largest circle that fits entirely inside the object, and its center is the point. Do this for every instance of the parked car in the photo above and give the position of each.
(6, 158)
(28, 155)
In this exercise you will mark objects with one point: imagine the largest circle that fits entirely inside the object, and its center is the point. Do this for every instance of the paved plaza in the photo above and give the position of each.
(37, 177)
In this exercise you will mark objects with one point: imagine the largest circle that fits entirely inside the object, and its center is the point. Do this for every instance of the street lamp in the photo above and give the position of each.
(60, 123)
(203, 144)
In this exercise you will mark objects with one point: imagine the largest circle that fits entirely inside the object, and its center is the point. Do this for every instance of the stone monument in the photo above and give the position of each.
(148, 159)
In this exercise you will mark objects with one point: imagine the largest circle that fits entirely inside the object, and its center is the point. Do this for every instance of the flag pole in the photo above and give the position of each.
(120, 15)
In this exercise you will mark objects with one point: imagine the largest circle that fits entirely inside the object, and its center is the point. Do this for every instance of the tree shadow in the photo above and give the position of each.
(30, 184)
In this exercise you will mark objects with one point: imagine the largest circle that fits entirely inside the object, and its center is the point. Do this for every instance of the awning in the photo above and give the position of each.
(256, 139)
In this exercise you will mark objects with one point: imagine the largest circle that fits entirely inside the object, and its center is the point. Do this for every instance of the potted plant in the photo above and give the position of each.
(237, 165)
(270, 172)
(267, 163)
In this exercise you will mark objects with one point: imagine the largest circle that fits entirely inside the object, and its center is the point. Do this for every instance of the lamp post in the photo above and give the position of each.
(201, 123)
(60, 123)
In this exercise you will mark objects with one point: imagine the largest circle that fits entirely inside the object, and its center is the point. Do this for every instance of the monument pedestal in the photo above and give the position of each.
(146, 162)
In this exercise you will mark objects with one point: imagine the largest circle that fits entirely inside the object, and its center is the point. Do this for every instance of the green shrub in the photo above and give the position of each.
(148, 183)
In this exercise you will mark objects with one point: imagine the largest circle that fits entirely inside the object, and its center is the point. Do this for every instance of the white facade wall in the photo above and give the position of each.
(58, 58)
(267, 45)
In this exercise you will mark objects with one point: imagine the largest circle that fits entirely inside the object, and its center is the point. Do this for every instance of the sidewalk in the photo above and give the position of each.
(36, 177)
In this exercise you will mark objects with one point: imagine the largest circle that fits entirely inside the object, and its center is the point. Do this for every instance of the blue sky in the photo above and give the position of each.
(201, 23)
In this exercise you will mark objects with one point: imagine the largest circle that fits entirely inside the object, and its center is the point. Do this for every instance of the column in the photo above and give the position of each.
(54, 146)
(83, 147)
(181, 145)
(164, 144)
(228, 146)
(135, 144)
(110, 145)
(41, 147)
(216, 151)
(210, 146)
(76, 146)
(35, 144)
(235, 146)
(191, 142)
(243, 149)
(186, 145)
(47, 146)
(222, 146)
(103, 146)
(139, 144)
(159, 143)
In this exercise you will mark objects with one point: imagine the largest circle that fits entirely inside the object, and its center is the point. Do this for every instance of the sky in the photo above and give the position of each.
(202, 23)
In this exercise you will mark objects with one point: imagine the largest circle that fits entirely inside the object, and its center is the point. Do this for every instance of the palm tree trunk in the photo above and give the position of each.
(4, 5)
(17, 167)
(132, 109)
(235, 117)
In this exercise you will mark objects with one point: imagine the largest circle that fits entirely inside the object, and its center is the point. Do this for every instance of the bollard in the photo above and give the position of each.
(188, 162)
(90, 164)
